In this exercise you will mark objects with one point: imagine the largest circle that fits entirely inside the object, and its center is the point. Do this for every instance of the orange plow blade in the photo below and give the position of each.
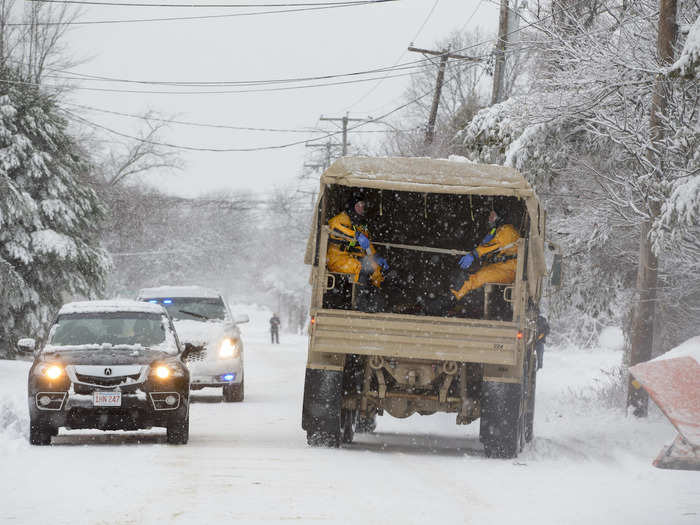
(674, 385)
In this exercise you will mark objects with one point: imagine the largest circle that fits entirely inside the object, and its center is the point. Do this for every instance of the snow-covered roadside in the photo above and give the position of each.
(249, 462)
(14, 419)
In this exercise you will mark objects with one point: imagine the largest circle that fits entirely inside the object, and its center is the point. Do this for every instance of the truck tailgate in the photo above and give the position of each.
(411, 336)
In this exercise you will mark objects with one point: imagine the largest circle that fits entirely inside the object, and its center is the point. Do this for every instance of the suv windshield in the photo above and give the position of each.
(128, 328)
(199, 308)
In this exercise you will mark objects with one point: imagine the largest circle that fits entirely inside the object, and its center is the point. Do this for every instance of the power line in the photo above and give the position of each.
(189, 123)
(208, 125)
(241, 150)
(253, 149)
(396, 62)
(212, 6)
(184, 18)
(476, 9)
(408, 66)
(223, 92)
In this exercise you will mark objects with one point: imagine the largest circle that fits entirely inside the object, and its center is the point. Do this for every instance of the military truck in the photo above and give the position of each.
(476, 359)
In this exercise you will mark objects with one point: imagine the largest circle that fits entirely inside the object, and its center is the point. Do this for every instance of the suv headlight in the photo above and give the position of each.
(166, 370)
(230, 348)
(50, 371)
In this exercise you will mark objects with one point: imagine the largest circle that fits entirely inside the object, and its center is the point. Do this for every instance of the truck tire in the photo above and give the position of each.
(178, 431)
(502, 421)
(322, 407)
(366, 424)
(41, 433)
(234, 393)
(348, 423)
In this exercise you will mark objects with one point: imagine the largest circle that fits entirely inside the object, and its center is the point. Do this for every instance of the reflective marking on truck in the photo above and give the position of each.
(498, 346)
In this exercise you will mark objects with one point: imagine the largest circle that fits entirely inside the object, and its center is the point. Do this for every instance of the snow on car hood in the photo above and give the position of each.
(204, 333)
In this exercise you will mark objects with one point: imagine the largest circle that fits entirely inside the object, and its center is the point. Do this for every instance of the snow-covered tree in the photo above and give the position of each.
(582, 136)
(49, 214)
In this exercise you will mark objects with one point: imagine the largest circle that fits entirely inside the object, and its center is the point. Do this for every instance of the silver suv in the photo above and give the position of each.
(205, 326)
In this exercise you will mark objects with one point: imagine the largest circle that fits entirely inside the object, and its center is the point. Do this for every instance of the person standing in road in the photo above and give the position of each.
(275, 329)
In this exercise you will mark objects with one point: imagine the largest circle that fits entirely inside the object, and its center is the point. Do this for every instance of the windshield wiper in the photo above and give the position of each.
(194, 314)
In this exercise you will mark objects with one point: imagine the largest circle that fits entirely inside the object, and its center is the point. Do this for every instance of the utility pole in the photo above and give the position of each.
(642, 330)
(444, 55)
(345, 121)
(499, 67)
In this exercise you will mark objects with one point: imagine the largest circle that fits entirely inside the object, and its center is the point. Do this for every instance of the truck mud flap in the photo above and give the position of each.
(322, 393)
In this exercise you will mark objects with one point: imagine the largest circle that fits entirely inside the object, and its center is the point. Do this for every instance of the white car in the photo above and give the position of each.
(205, 326)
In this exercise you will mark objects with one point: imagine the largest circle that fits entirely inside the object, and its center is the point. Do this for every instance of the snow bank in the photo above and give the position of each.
(13, 420)
(612, 338)
(14, 416)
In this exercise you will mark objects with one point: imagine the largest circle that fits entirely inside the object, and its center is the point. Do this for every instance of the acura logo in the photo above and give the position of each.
(108, 371)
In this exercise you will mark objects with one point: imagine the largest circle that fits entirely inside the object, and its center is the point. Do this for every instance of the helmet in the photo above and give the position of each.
(501, 213)
(357, 196)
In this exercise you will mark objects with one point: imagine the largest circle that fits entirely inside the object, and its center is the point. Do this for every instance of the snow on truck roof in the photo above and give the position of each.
(178, 291)
(121, 305)
(427, 175)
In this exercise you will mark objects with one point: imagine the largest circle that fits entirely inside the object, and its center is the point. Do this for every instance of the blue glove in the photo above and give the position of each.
(466, 261)
(381, 261)
(362, 240)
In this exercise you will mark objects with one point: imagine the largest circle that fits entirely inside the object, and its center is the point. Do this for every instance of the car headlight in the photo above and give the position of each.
(166, 370)
(229, 348)
(49, 371)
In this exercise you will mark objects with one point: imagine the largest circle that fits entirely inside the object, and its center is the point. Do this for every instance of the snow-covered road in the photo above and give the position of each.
(249, 462)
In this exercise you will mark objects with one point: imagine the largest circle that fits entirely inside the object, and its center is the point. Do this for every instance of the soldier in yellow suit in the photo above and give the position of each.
(349, 248)
(496, 256)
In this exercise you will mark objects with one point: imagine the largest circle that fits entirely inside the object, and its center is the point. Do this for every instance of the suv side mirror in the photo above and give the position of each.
(240, 319)
(26, 345)
(555, 279)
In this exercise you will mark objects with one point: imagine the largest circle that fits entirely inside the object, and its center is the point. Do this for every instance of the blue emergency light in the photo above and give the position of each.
(153, 301)
(228, 377)
(167, 301)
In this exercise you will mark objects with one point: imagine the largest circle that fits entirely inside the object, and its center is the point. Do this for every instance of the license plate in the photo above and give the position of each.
(107, 399)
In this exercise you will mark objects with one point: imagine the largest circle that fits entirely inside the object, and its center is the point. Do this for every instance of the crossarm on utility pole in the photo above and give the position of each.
(444, 57)
(444, 53)
(345, 121)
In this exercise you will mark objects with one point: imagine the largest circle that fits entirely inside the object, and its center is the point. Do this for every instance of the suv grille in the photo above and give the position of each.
(107, 381)
(199, 354)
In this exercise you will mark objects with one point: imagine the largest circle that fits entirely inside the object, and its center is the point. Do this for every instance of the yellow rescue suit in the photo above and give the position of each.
(502, 270)
(344, 255)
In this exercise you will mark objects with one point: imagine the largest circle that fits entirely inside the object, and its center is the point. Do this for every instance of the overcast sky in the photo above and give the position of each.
(274, 46)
